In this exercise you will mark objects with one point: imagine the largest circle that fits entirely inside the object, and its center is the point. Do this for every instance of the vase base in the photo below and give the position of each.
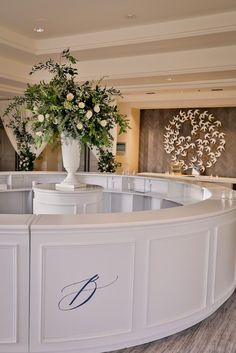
(71, 182)
(64, 186)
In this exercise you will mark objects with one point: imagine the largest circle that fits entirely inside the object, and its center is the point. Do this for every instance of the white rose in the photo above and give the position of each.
(39, 133)
(81, 105)
(103, 123)
(79, 126)
(41, 118)
(70, 97)
(47, 116)
(96, 108)
(89, 114)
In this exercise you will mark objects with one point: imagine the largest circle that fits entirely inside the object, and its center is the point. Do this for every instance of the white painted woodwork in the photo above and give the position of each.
(49, 200)
(14, 290)
(156, 272)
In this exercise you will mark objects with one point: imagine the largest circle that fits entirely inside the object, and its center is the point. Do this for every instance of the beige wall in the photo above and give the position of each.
(130, 158)
(49, 159)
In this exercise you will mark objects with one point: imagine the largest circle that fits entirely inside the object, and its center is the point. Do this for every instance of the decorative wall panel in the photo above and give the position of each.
(152, 156)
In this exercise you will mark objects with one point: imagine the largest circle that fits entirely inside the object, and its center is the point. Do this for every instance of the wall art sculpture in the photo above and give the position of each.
(194, 139)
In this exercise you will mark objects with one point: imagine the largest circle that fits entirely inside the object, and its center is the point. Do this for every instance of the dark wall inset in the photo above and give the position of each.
(152, 156)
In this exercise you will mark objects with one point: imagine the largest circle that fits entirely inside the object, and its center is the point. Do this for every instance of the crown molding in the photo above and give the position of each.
(182, 62)
(195, 26)
(162, 64)
(14, 71)
(11, 90)
(180, 100)
(17, 41)
(206, 84)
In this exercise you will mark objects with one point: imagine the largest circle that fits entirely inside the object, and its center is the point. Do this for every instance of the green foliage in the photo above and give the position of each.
(107, 162)
(86, 111)
(19, 125)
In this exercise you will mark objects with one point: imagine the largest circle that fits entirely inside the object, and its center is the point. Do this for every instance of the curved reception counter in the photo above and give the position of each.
(160, 257)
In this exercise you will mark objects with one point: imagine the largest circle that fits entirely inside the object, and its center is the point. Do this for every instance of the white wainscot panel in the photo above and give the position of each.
(87, 292)
(225, 260)
(8, 293)
(14, 292)
(178, 277)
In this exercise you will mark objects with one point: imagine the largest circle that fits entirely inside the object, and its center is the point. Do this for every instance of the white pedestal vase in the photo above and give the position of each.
(71, 149)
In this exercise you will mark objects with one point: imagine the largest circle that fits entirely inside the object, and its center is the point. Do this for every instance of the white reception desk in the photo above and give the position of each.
(99, 282)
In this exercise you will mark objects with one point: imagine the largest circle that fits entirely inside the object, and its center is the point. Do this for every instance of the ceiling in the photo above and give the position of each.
(143, 46)
(63, 18)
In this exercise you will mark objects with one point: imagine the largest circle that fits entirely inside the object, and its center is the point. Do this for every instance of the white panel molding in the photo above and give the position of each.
(14, 253)
(225, 223)
(16, 238)
(38, 330)
(212, 268)
(190, 313)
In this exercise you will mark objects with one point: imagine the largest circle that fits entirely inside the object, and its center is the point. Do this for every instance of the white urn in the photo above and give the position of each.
(71, 149)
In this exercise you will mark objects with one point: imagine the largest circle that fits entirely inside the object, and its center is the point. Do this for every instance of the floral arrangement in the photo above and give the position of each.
(83, 111)
(107, 162)
(24, 138)
(193, 139)
(24, 143)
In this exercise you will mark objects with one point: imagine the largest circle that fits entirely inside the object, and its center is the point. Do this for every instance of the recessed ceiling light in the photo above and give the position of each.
(130, 16)
(169, 79)
(38, 29)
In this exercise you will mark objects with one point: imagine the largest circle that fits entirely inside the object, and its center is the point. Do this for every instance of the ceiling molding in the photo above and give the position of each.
(196, 26)
(201, 102)
(11, 90)
(204, 25)
(194, 45)
(180, 100)
(180, 85)
(17, 41)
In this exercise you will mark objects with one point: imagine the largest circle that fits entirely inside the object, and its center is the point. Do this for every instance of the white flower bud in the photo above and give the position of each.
(89, 114)
(47, 116)
(81, 105)
(40, 118)
(103, 123)
(96, 108)
(79, 126)
(70, 97)
(39, 133)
